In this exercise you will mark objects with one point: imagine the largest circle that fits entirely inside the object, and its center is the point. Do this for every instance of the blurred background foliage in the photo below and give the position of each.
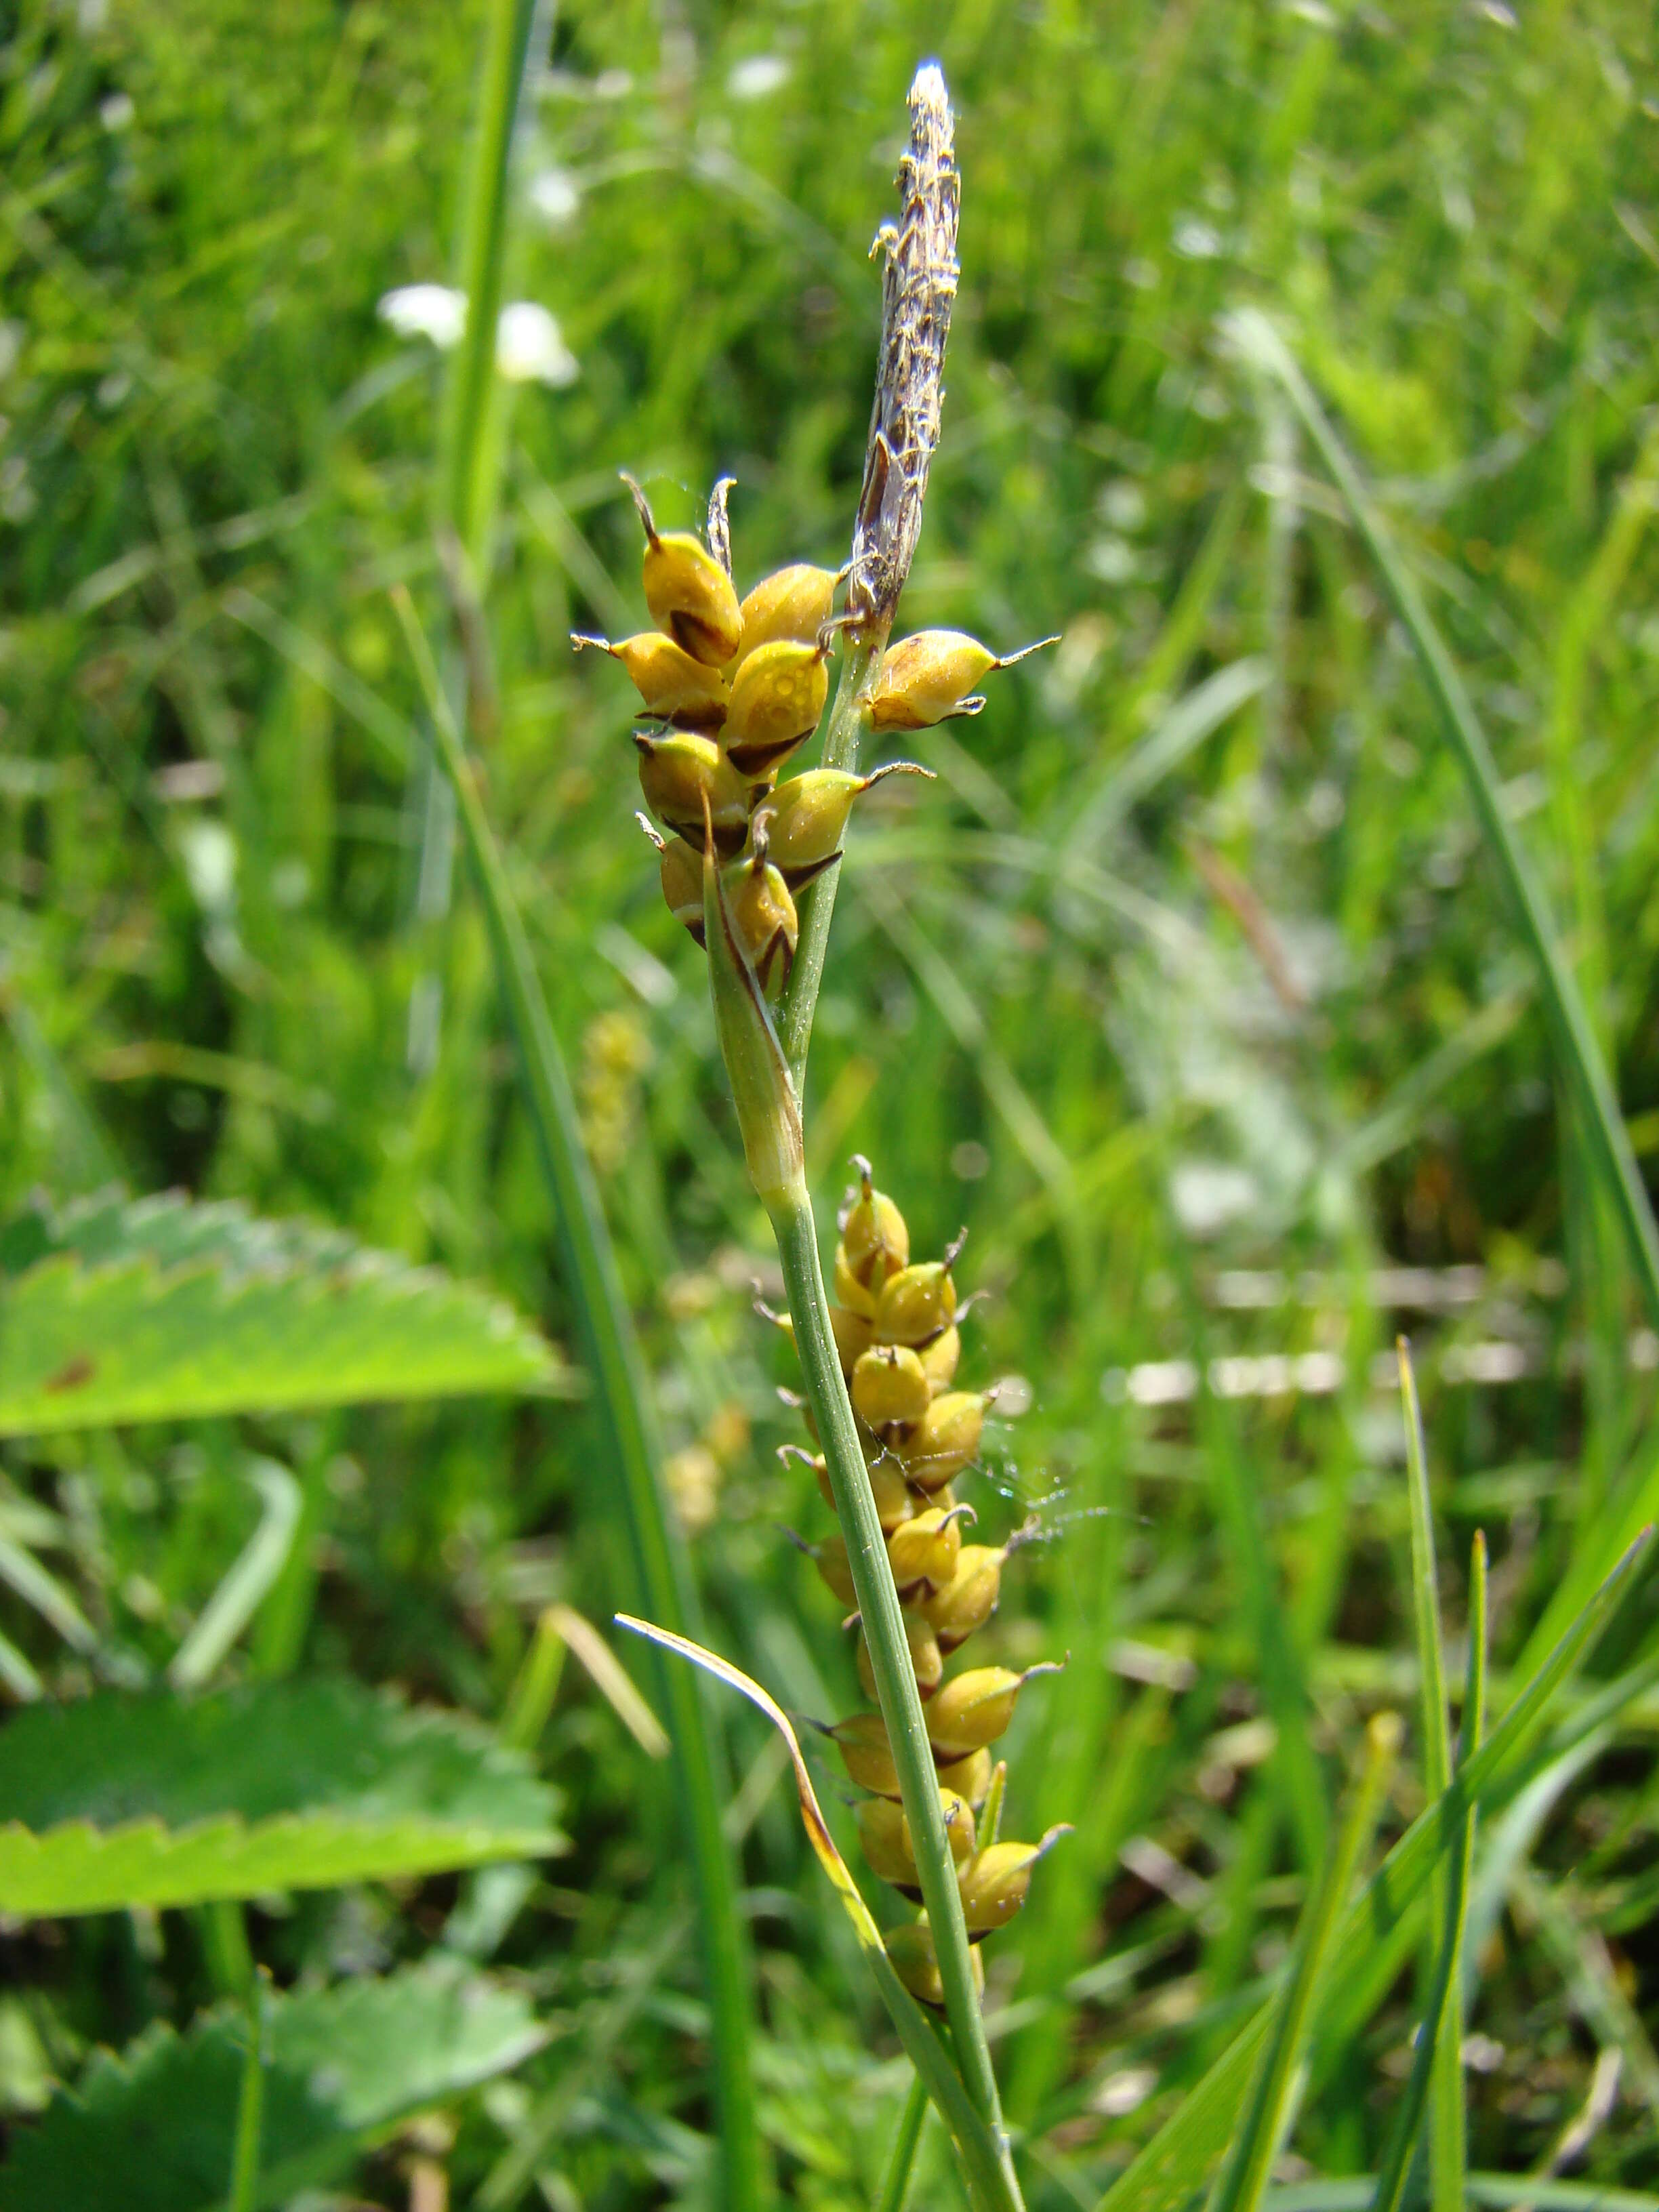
(1187, 987)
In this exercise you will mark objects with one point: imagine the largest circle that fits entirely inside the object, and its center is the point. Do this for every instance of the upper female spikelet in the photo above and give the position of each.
(689, 593)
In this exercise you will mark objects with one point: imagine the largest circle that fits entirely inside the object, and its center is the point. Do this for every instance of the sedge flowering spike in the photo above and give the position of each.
(895, 1503)
(995, 1882)
(688, 593)
(898, 1337)
(939, 1359)
(810, 814)
(682, 886)
(915, 1304)
(777, 695)
(926, 1660)
(916, 1963)
(875, 1241)
(890, 1388)
(884, 1833)
(792, 603)
(669, 681)
(973, 1710)
(958, 1608)
(854, 1335)
(688, 781)
(944, 1437)
(930, 677)
(762, 914)
(855, 1296)
(923, 1551)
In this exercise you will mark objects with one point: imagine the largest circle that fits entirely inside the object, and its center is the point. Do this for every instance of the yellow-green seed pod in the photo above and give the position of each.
(995, 1882)
(681, 884)
(791, 603)
(923, 1551)
(884, 1833)
(830, 1559)
(894, 1503)
(928, 677)
(852, 1336)
(809, 815)
(873, 1234)
(927, 1661)
(969, 1778)
(858, 1297)
(916, 1304)
(939, 1357)
(967, 1601)
(867, 1755)
(689, 593)
(762, 914)
(972, 1710)
(677, 772)
(777, 695)
(945, 1437)
(681, 871)
(682, 690)
(916, 1963)
(890, 1389)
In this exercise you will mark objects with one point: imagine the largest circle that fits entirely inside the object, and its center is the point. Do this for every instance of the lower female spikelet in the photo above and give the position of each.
(898, 1340)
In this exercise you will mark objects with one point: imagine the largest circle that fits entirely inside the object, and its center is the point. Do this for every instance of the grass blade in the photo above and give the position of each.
(1278, 2085)
(618, 1372)
(1576, 1042)
(1437, 2066)
(981, 2160)
(249, 2106)
(895, 2182)
(1499, 2191)
(1174, 2163)
(244, 1589)
(467, 473)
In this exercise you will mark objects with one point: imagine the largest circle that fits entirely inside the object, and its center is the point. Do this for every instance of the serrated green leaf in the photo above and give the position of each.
(158, 1800)
(160, 1309)
(152, 2130)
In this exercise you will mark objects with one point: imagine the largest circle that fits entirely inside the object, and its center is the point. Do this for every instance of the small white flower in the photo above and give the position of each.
(556, 196)
(530, 347)
(437, 311)
(756, 77)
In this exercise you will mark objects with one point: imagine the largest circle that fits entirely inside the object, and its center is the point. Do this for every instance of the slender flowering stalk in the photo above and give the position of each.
(731, 690)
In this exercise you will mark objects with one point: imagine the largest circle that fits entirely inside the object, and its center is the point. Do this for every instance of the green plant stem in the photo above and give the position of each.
(466, 474)
(895, 2183)
(890, 1653)
(1581, 1055)
(1437, 2063)
(613, 1358)
(817, 901)
(249, 2106)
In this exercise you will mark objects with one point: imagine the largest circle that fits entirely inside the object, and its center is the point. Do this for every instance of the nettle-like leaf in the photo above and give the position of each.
(153, 2128)
(157, 1799)
(159, 1309)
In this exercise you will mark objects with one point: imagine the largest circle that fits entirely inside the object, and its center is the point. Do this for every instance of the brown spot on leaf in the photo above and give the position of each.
(74, 1374)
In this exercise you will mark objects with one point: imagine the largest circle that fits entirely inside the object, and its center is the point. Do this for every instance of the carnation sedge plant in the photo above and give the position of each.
(731, 690)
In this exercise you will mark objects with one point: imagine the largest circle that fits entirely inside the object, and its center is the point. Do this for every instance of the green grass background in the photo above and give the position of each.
(1138, 1007)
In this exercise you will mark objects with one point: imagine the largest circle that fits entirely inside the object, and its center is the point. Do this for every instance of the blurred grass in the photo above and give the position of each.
(1047, 1011)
